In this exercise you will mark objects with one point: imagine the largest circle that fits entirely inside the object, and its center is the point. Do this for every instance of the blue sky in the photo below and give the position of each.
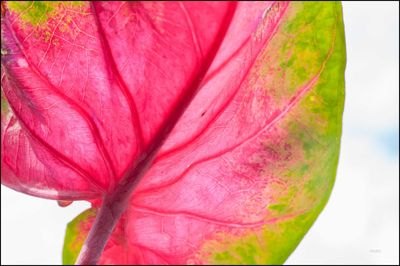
(389, 141)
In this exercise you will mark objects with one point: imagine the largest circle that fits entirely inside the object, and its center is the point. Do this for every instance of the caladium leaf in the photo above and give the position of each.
(242, 103)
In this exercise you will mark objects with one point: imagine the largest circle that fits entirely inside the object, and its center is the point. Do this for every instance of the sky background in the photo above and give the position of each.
(360, 224)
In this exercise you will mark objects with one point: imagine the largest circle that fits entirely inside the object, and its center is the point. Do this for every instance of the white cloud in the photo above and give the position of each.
(372, 79)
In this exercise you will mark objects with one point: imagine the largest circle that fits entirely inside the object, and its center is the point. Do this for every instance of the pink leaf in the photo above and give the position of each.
(215, 112)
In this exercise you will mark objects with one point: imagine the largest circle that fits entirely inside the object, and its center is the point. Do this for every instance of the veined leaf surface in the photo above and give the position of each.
(240, 102)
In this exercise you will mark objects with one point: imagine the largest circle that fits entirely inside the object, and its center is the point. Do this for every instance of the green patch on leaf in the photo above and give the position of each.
(76, 234)
(38, 12)
(277, 207)
(4, 105)
(271, 244)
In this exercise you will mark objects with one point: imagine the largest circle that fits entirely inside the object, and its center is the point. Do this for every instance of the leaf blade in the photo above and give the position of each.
(253, 156)
(299, 192)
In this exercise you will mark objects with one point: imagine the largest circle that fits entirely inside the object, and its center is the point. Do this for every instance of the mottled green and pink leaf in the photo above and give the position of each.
(228, 115)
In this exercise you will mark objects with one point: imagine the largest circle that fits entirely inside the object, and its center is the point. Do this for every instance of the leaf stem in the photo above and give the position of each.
(113, 205)
(101, 230)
